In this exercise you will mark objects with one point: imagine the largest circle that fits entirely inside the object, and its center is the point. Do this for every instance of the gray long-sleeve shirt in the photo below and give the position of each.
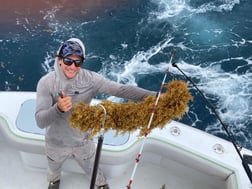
(84, 88)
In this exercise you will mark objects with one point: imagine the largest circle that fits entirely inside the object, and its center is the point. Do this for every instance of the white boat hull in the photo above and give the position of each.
(178, 156)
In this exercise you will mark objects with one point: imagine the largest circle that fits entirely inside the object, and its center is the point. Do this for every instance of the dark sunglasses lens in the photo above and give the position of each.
(78, 63)
(69, 62)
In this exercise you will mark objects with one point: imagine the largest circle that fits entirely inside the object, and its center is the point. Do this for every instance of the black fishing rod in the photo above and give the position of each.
(98, 151)
(246, 159)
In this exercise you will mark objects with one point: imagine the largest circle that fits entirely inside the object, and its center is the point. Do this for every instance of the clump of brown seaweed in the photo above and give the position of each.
(131, 116)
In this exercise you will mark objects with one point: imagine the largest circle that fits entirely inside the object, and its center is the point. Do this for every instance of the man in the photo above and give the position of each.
(56, 93)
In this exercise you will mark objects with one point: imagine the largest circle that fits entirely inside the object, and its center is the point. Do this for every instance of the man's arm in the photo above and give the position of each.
(46, 110)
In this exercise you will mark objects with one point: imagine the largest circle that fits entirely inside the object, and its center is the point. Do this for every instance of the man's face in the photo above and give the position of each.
(71, 70)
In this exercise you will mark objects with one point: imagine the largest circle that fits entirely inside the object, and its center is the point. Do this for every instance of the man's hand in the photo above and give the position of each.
(64, 102)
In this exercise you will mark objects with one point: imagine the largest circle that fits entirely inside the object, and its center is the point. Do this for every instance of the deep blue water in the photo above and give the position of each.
(130, 42)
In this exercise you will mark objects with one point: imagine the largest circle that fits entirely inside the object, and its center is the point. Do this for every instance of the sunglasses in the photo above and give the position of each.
(69, 62)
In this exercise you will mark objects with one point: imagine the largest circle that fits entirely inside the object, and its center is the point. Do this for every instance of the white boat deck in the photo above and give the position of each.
(178, 156)
(16, 175)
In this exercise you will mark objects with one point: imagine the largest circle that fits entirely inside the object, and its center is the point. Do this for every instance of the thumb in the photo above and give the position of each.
(62, 94)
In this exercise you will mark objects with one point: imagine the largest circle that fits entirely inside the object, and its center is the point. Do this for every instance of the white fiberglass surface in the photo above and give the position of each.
(15, 175)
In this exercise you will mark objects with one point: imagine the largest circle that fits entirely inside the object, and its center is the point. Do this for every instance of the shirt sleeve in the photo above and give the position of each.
(46, 110)
(121, 90)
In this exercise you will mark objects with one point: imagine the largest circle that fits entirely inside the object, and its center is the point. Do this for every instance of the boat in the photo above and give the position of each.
(175, 157)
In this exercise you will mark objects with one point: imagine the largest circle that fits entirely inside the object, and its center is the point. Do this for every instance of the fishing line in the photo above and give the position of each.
(139, 155)
(246, 159)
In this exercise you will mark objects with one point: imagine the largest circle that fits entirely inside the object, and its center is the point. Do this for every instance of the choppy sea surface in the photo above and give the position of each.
(130, 42)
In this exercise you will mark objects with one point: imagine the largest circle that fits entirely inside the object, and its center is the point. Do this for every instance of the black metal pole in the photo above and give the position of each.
(98, 150)
(230, 136)
(96, 162)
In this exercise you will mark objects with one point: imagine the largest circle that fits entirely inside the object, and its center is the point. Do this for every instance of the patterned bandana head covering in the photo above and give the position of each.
(71, 48)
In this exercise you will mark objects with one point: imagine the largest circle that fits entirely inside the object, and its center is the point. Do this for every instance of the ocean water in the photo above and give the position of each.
(130, 42)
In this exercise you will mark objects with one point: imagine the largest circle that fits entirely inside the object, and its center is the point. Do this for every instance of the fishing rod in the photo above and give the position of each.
(149, 124)
(98, 150)
(246, 159)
